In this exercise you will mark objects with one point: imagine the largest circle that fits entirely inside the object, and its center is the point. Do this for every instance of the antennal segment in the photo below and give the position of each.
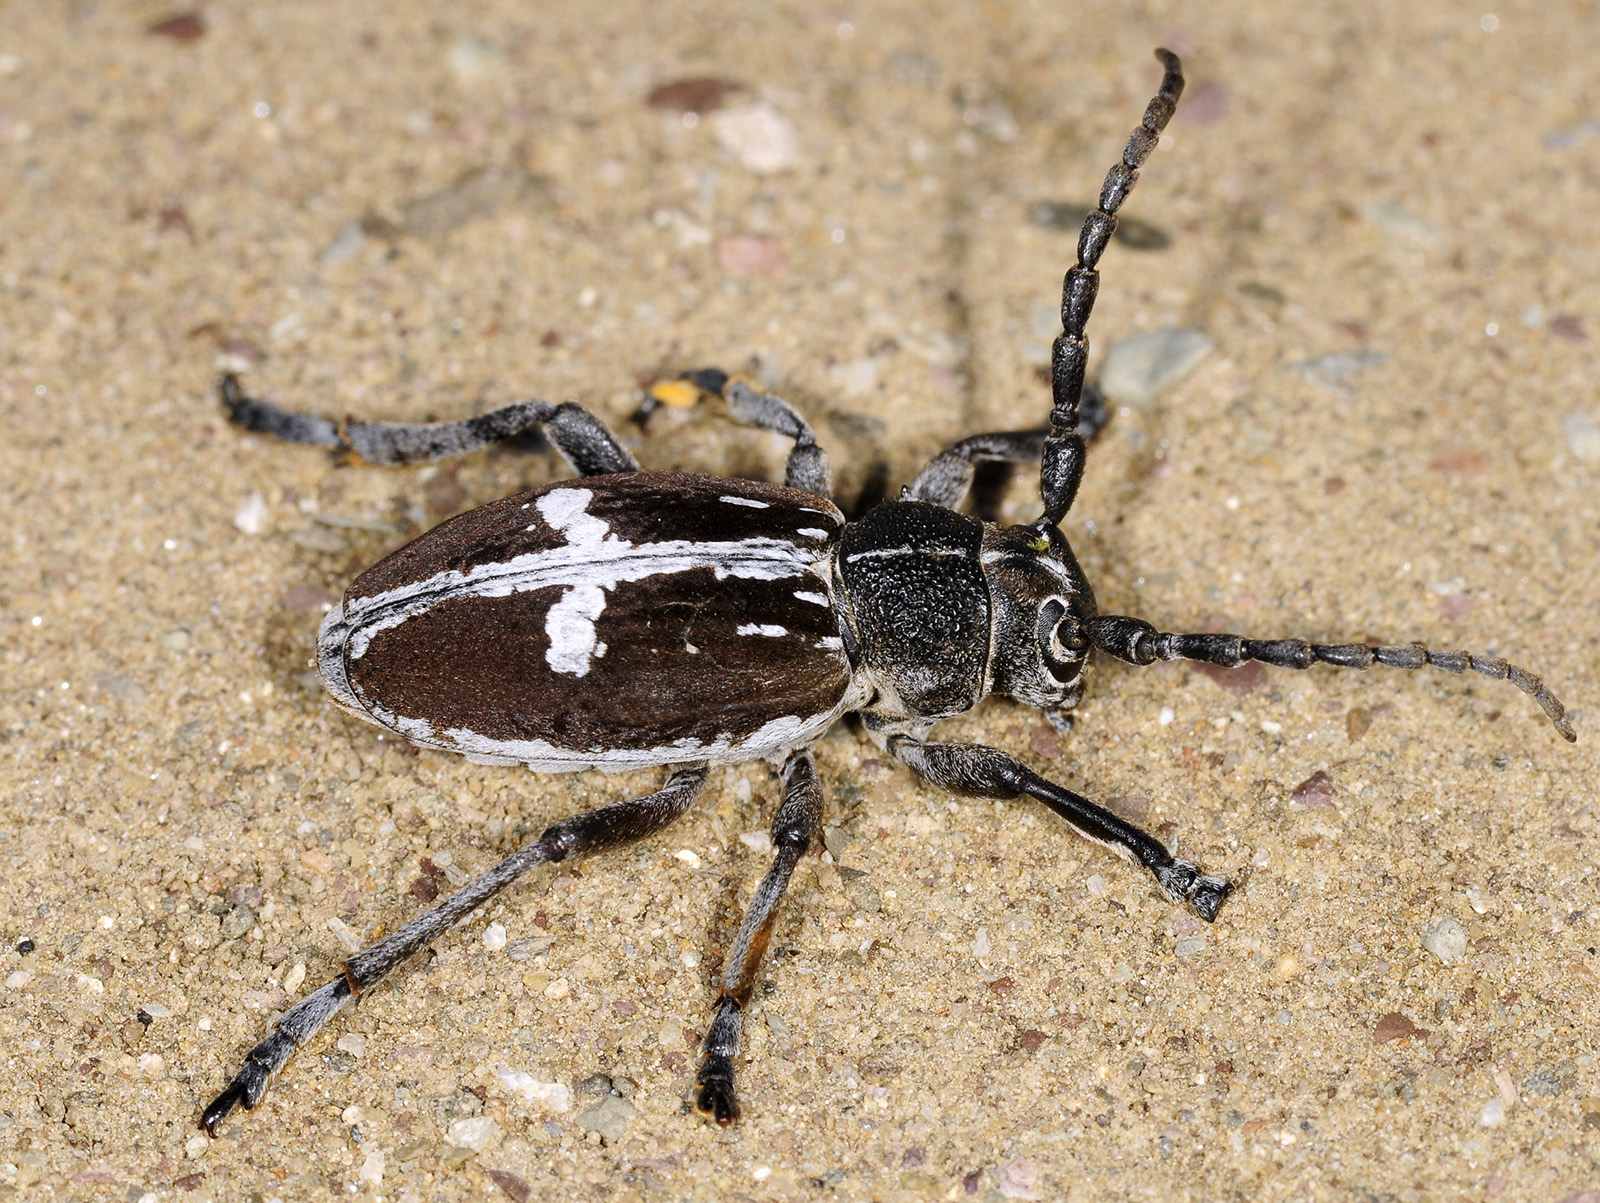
(1062, 469)
(1137, 642)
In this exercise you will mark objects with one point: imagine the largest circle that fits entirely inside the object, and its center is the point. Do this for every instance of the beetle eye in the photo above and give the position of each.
(1062, 642)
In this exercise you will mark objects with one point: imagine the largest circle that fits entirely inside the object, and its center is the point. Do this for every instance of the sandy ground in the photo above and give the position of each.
(1386, 223)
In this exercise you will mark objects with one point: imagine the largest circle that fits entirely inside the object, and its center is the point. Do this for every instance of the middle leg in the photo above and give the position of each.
(797, 820)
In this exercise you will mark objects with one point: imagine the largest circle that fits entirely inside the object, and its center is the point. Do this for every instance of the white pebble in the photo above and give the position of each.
(552, 1095)
(347, 936)
(760, 137)
(1167, 715)
(688, 856)
(1096, 884)
(494, 936)
(371, 1171)
(1583, 436)
(196, 1146)
(251, 514)
(1446, 939)
(152, 1066)
(353, 1114)
(1494, 1114)
(355, 1044)
(558, 989)
(980, 943)
(1189, 947)
(296, 975)
(756, 841)
(474, 1133)
(157, 1010)
(19, 979)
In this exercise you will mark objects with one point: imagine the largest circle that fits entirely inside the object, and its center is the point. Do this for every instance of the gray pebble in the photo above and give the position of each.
(237, 922)
(1337, 372)
(1190, 946)
(609, 1116)
(1140, 369)
(1583, 436)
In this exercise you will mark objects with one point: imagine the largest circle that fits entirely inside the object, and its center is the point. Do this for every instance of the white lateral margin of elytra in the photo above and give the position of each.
(591, 561)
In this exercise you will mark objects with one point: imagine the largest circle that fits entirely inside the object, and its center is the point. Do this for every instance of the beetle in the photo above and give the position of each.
(625, 619)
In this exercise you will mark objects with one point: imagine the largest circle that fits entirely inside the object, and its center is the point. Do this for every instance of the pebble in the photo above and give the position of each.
(355, 1044)
(1401, 223)
(609, 1116)
(251, 514)
(1190, 946)
(1494, 1114)
(1583, 436)
(349, 939)
(494, 936)
(1140, 369)
(553, 1095)
(756, 841)
(1337, 372)
(980, 943)
(195, 1147)
(526, 950)
(371, 1171)
(157, 1010)
(292, 979)
(1018, 1179)
(237, 922)
(1446, 939)
(19, 979)
(474, 1133)
(762, 139)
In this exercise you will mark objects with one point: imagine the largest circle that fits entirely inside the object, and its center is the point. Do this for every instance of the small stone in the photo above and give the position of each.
(195, 1147)
(553, 1095)
(558, 989)
(526, 950)
(1018, 1179)
(355, 1044)
(1315, 791)
(1190, 946)
(762, 139)
(251, 514)
(347, 936)
(175, 641)
(494, 936)
(745, 255)
(835, 840)
(19, 979)
(980, 943)
(695, 95)
(1493, 1114)
(237, 922)
(474, 1133)
(152, 1066)
(1395, 1026)
(296, 975)
(1446, 939)
(157, 1010)
(1583, 436)
(353, 1115)
(1401, 224)
(371, 1171)
(1337, 372)
(1138, 370)
(688, 856)
(756, 841)
(609, 1116)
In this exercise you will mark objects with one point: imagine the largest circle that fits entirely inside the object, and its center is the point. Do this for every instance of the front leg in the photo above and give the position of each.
(989, 773)
(793, 826)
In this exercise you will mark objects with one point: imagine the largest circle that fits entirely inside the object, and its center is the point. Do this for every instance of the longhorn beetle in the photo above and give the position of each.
(625, 619)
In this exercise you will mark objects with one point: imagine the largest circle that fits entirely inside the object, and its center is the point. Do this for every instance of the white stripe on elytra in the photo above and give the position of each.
(752, 628)
(749, 501)
(592, 560)
(812, 532)
(815, 599)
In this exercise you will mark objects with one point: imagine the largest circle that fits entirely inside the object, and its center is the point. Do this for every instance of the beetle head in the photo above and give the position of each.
(1041, 603)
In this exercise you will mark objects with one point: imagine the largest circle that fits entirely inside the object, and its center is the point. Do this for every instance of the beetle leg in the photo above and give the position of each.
(807, 467)
(990, 773)
(947, 478)
(793, 826)
(604, 827)
(1137, 642)
(582, 439)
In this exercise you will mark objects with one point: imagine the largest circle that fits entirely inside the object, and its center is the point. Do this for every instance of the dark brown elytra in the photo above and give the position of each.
(623, 619)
